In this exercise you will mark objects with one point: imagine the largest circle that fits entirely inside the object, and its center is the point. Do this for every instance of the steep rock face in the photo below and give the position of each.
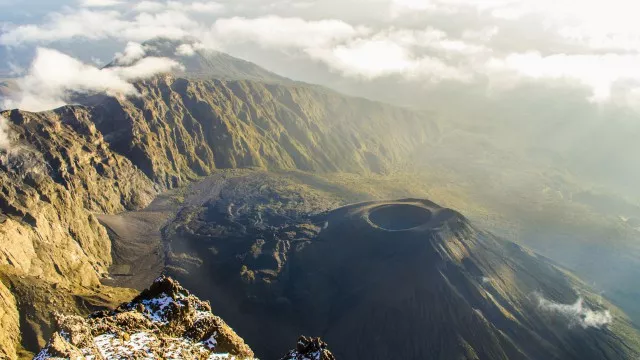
(180, 129)
(56, 172)
(78, 158)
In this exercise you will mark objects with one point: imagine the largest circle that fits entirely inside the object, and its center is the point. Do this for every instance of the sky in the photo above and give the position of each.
(595, 45)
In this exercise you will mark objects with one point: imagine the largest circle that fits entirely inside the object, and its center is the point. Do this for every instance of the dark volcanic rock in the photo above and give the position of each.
(309, 348)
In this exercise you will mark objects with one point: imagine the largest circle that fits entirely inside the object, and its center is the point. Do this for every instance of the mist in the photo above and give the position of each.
(577, 314)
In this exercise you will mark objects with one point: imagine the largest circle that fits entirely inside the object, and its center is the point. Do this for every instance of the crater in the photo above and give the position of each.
(398, 217)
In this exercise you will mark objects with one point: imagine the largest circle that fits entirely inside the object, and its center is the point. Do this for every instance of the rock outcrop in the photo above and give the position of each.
(163, 322)
(309, 349)
(58, 172)
(9, 323)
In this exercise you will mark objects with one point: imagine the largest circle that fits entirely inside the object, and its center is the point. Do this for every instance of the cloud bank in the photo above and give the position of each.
(595, 45)
(100, 3)
(132, 52)
(577, 313)
(54, 76)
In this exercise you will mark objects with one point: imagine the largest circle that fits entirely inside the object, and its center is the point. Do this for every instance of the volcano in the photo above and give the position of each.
(403, 279)
(412, 280)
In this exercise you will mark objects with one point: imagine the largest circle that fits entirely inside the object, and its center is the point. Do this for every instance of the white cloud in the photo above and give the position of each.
(53, 75)
(100, 3)
(279, 32)
(5, 142)
(349, 50)
(375, 58)
(199, 7)
(599, 72)
(150, 6)
(577, 313)
(206, 7)
(145, 68)
(132, 52)
(84, 23)
(102, 24)
(483, 35)
(168, 24)
(188, 50)
(356, 50)
(596, 23)
(368, 58)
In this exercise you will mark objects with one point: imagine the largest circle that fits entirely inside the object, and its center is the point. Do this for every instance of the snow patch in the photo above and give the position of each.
(156, 309)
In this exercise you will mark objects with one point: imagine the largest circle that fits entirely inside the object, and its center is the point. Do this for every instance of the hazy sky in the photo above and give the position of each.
(594, 43)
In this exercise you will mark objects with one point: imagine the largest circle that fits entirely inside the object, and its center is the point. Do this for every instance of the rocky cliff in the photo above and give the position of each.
(181, 129)
(56, 173)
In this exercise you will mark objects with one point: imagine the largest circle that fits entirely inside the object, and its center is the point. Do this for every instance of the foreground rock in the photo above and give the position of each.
(309, 349)
(164, 322)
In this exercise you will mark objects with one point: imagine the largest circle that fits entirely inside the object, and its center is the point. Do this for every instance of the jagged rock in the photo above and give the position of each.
(309, 349)
(163, 322)
(59, 347)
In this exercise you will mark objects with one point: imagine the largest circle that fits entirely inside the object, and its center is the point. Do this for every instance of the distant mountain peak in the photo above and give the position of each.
(198, 60)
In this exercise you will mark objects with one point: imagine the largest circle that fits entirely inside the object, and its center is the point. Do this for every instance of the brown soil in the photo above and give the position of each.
(137, 250)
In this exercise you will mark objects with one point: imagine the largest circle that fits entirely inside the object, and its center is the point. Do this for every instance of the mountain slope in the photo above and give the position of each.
(180, 129)
(436, 287)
